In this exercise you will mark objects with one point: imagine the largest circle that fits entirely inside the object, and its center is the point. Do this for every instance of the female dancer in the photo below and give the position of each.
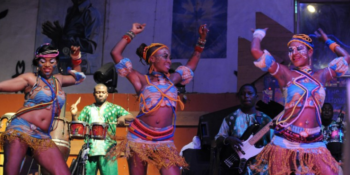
(297, 145)
(150, 136)
(31, 125)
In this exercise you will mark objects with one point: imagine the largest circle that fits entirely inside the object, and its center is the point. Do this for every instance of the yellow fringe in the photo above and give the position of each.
(35, 144)
(159, 155)
(284, 161)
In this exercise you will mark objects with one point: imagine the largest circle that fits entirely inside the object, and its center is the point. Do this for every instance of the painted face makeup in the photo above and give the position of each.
(298, 54)
(46, 65)
(163, 60)
(297, 50)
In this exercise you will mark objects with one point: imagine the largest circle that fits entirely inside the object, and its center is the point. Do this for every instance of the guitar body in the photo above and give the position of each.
(236, 163)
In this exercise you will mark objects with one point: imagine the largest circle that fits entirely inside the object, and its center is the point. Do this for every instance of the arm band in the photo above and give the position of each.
(186, 74)
(124, 67)
(265, 61)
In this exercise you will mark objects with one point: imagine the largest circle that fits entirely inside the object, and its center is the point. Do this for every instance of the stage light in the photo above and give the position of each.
(311, 8)
(108, 76)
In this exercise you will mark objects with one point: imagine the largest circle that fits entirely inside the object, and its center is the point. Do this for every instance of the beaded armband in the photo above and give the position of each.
(186, 74)
(124, 67)
(265, 61)
(339, 65)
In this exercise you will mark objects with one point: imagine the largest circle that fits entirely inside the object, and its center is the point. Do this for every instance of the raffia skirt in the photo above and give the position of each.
(28, 133)
(161, 154)
(284, 157)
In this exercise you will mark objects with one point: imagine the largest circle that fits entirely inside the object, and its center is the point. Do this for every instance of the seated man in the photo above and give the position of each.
(234, 126)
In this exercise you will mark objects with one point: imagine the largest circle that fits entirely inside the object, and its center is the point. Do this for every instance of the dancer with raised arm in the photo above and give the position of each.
(31, 125)
(297, 146)
(150, 136)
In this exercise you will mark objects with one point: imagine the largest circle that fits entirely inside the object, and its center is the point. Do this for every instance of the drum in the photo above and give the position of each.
(60, 135)
(4, 121)
(98, 130)
(335, 141)
(78, 129)
(60, 132)
(336, 133)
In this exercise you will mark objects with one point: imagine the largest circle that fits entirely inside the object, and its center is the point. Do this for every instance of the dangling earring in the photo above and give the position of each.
(37, 69)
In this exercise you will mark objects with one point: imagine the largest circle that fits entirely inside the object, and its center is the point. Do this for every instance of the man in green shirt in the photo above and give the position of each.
(103, 112)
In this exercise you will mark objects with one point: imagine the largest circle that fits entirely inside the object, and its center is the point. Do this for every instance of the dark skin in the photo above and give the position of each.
(247, 98)
(16, 150)
(300, 56)
(162, 117)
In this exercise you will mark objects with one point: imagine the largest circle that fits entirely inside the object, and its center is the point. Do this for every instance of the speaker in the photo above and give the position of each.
(209, 124)
(198, 160)
(108, 76)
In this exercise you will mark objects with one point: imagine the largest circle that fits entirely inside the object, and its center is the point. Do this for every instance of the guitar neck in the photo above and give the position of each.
(263, 131)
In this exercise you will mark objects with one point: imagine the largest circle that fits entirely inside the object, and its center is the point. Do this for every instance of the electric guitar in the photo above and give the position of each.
(236, 162)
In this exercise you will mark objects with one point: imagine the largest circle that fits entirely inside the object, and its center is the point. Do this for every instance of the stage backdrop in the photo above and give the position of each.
(334, 19)
(188, 15)
(66, 22)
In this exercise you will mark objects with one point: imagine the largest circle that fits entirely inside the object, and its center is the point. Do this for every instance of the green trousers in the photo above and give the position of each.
(105, 166)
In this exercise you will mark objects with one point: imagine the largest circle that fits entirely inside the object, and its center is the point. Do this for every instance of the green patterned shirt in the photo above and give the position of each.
(106, 113)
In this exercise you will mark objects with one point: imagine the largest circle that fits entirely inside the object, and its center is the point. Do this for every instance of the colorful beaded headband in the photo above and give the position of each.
(302, 38)
(145, 50)
(48, 53)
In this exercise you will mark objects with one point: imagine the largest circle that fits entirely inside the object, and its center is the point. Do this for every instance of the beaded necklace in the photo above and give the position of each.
(305, 73)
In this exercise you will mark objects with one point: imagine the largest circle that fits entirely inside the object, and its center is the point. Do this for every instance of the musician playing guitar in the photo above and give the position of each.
(238, 124)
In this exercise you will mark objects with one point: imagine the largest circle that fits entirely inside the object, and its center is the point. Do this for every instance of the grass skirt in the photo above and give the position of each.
(283, 161)
(27, 133)
(161, 154)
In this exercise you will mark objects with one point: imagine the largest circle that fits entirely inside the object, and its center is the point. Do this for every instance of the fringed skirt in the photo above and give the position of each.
(284, 157)
(27, 133)
(161, 154)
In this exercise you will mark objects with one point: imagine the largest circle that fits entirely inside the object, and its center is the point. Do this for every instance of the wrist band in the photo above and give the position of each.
(329, 42)
(76, 57)
(259, 33)
(199, 49)
(131, 34)
(128, 38)
(333, 46)
(200, 45)
(201, 42)
(76, 62)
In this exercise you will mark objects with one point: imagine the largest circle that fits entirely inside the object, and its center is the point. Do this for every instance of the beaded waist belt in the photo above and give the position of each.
(146, 133)
(300, 138)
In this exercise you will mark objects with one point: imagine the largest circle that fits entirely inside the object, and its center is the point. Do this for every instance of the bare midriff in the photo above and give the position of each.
(307, 119)
(40, 118)
(160, 118)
